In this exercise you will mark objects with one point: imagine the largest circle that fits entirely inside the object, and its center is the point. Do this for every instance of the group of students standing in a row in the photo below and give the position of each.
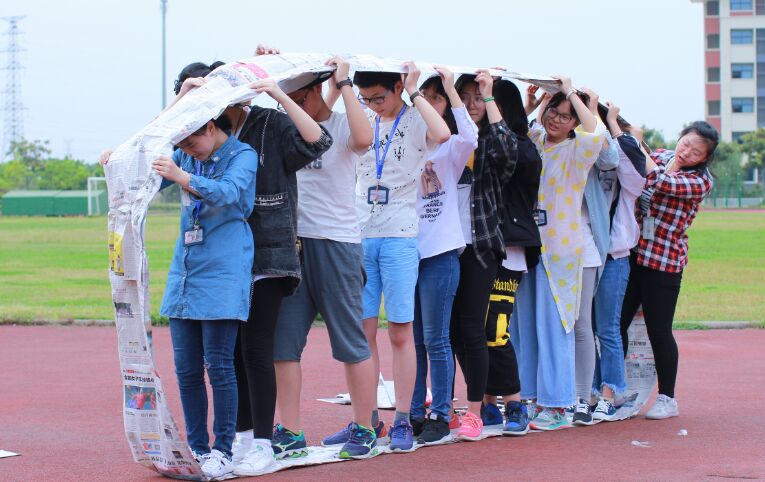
(475, 229)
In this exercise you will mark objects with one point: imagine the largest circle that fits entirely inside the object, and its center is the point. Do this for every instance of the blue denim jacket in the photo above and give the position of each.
(597, 204)
(212, 280)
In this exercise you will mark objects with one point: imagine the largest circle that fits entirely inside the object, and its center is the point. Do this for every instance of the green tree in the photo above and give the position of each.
(753, 145)
(728, 161)
(655, 139)
(64, 174)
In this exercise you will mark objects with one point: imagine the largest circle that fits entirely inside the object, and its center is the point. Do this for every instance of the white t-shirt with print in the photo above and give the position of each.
(326, 208)
(437, 199)
(400, 176)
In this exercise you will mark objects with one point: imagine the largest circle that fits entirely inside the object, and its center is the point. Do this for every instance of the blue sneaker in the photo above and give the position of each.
(361, 445)
(490, 415)
(605, 410)
(341, 437)
(517, 419)
(287, 444)
(402, 437)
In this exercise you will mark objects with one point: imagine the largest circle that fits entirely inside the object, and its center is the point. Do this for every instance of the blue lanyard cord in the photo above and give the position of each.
(198, 204)
(381, 161)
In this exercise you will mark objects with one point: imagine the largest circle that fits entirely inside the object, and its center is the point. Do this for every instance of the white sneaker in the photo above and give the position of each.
(217, 466)
(258, 461)
(200, 458)
(242, 444)
(663, 407)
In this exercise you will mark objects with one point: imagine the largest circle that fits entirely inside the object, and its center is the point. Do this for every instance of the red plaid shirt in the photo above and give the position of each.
(673, 199)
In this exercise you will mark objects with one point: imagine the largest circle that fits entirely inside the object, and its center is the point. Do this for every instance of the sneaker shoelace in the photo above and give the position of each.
(471, 420)
(358, 436)
(401, 430)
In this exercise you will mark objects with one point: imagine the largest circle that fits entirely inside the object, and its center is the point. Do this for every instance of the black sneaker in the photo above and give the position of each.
(582, 413)
(417, 426)
(435, 431)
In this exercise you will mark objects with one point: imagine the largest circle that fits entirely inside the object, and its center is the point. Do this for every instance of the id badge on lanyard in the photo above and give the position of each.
(378, 194)
(648, 231)
(196, 235)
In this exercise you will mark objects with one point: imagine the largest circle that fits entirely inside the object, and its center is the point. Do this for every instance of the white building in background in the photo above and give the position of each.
(734, 62)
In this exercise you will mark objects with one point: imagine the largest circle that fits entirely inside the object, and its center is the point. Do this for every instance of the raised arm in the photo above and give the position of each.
(361, 130)
(586, 119)
(438, 131)
(308, 128)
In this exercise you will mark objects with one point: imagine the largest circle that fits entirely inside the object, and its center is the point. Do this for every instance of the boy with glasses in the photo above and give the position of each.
(386, 192)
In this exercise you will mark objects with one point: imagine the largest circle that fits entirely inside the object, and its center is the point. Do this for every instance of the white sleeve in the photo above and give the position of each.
(465, 142)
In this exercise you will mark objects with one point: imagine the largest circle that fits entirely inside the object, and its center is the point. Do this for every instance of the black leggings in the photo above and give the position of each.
(657, 291)
(254, 358)
(468, 323)
(503, 365)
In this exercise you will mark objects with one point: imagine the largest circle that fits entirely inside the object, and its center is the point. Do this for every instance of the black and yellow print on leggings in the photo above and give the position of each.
(501, 303)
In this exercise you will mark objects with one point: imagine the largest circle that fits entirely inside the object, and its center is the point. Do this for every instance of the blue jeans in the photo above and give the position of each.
(545, 351)
(609, 363)
(433, 297)
(198, 345)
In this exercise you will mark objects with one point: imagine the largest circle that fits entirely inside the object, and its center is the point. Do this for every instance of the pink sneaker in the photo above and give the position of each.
(471, 428)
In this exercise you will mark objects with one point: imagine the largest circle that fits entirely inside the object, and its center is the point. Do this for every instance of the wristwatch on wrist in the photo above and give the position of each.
(414, 96)
(343, 83)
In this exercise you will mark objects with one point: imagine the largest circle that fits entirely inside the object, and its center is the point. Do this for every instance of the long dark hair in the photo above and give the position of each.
(196, 69)
(508, 98)
(437, 83)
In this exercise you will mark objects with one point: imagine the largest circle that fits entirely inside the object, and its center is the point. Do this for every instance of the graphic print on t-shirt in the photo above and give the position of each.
(431, 189)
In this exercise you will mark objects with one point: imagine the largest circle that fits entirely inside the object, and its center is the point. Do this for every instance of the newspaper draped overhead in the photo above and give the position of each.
(151, 431)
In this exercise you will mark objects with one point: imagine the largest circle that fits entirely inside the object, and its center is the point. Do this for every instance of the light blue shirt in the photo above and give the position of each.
(597, 203)
(212, 280)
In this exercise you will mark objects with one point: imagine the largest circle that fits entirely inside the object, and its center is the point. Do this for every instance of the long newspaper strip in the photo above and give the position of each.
(151, 431)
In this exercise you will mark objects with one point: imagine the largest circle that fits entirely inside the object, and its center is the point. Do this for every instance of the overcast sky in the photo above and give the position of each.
(92, 72)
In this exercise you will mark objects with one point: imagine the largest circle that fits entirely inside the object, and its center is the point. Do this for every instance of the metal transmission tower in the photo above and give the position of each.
(163, 9)
(13, 118)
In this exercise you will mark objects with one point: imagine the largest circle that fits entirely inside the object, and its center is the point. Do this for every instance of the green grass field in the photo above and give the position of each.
(56, 268)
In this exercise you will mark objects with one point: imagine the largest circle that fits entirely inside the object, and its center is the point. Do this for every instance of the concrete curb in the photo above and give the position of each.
(679, 325)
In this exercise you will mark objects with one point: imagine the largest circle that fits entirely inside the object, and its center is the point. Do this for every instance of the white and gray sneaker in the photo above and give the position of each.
(663, 407)
(258, 461)
(605, 410)
(218, 466)
(241, 446)
(200, 458)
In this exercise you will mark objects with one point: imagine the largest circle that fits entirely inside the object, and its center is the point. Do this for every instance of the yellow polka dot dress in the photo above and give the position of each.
(561, 190)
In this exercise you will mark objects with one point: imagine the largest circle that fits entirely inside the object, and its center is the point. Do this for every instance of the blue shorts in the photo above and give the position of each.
(391, 265)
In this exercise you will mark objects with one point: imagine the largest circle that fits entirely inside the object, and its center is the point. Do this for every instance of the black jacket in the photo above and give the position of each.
(281, 153)
(519, 197)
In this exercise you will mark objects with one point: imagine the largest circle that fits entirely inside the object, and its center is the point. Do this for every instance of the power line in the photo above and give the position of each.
(13, 108)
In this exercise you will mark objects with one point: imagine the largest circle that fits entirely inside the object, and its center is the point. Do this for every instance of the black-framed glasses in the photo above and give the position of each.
(376, 100)
(552, 113)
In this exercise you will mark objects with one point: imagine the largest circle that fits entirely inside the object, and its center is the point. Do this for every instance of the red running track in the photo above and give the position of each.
(60, 407)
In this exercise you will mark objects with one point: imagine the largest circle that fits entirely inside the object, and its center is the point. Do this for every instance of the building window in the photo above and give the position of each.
(713, 107)
(743, 105)
(742, 71)
(741, 36)
(713, 8)
(713, 74)
(740, 5)
(737, 136)
(713, 41)
(759, 7)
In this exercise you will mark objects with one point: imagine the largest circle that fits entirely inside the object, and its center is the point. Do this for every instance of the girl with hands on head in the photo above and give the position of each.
(479, 199)
(569, 140)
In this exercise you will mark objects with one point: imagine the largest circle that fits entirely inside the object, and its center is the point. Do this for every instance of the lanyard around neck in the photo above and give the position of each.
(380, 162)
